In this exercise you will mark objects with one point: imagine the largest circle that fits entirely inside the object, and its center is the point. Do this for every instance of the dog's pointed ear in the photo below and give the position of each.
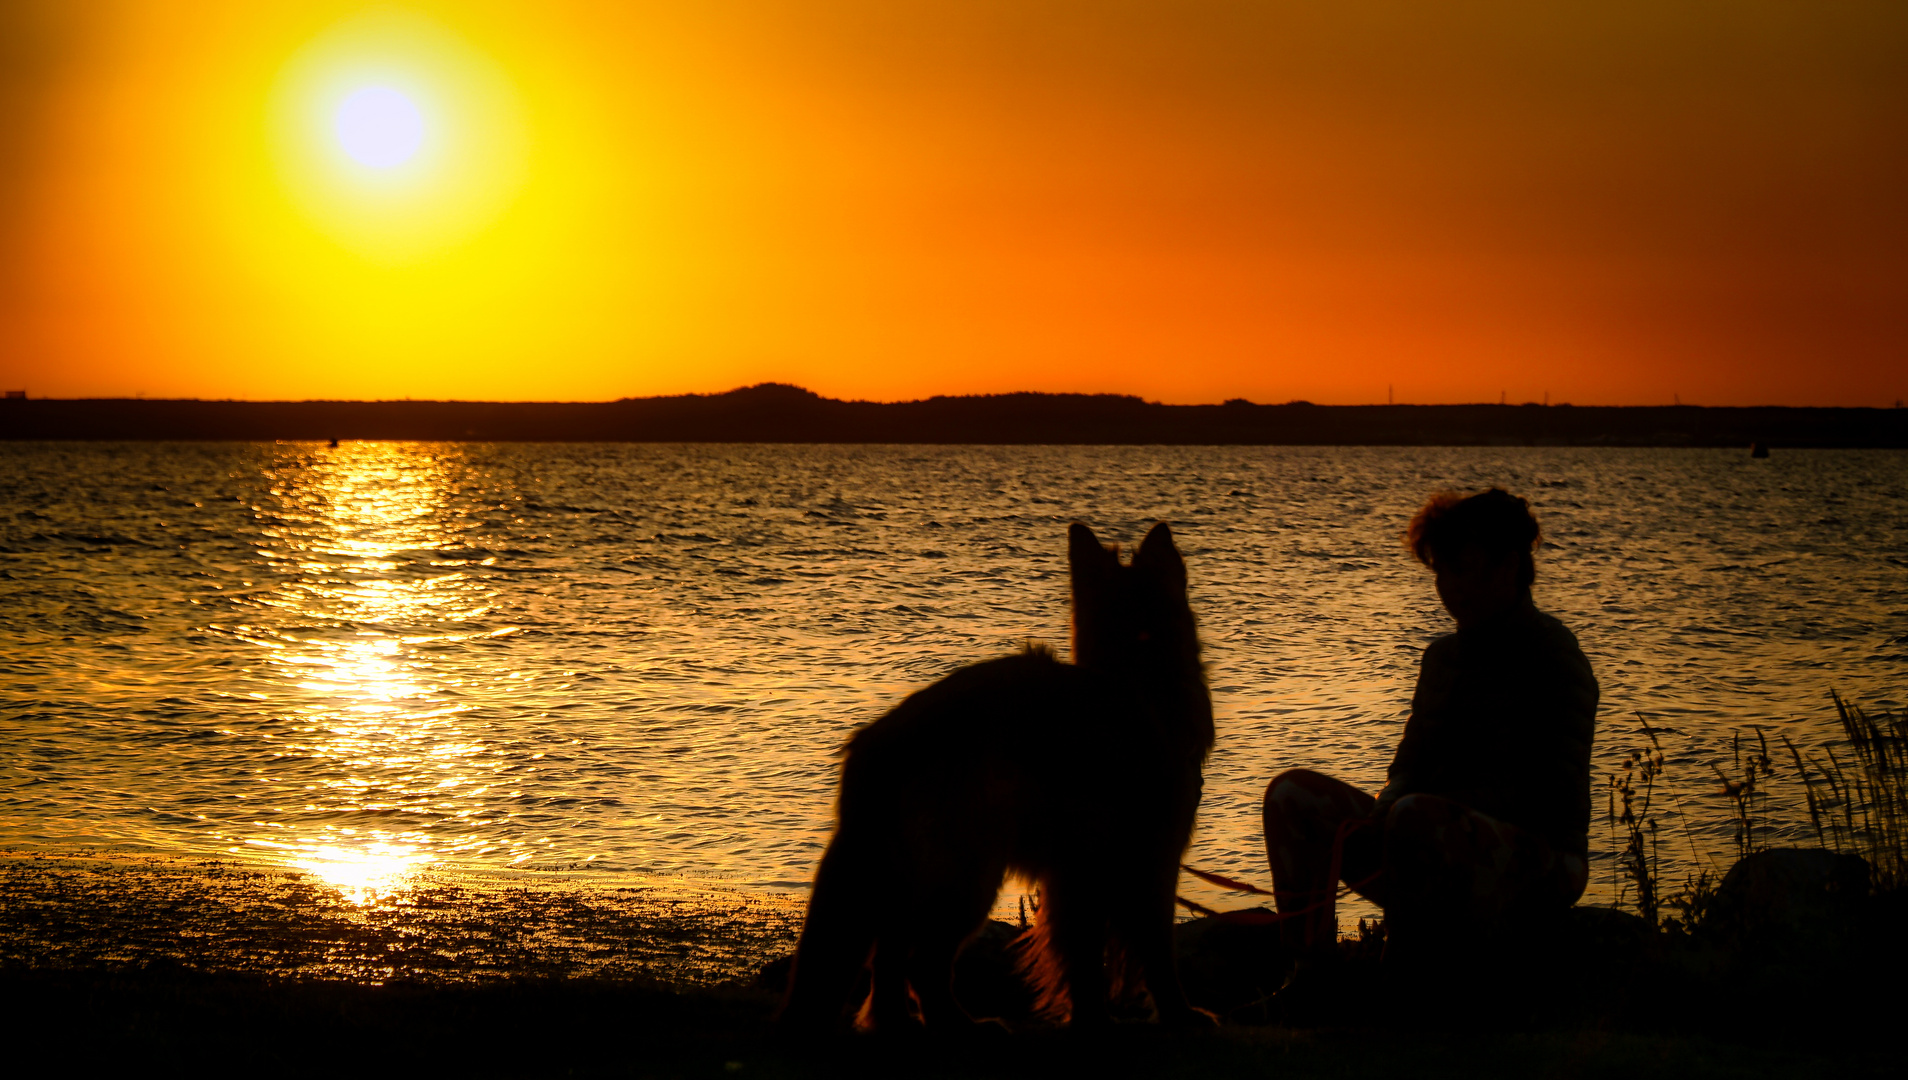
(1158, 555)
(1085, 553)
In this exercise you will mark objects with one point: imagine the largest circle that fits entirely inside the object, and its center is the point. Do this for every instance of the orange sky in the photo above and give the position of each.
(1612, 202)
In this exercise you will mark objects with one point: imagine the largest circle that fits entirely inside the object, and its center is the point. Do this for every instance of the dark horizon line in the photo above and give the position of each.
(1056, 394)
(780, 413)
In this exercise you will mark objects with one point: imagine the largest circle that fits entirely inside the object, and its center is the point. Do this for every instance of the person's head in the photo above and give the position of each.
(1479, 546)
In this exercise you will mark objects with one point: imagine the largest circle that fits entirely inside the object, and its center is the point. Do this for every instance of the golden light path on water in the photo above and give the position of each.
(353, 658)
(388, 666)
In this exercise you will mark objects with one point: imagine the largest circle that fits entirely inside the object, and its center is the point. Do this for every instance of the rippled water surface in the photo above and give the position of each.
(639, 660)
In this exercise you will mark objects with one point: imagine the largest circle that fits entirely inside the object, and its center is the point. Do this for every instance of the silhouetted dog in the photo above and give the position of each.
(1083, 778)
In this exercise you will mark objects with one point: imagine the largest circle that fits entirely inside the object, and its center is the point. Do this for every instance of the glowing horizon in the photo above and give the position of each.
(1623, 203)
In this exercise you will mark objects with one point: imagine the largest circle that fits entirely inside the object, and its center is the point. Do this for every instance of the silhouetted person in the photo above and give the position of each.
(1484, 820)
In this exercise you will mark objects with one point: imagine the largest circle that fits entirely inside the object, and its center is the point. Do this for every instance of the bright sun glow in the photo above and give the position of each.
(397, 137)
(379, 127)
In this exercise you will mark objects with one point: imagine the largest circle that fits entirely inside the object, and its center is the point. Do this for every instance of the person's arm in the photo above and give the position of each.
(1398, 777)
(1562, 767)
(1436, 671)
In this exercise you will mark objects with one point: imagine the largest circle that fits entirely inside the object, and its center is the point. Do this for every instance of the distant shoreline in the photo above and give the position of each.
(775, 413)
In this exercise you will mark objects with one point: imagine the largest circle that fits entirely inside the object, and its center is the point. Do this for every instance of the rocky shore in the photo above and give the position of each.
(158, 963)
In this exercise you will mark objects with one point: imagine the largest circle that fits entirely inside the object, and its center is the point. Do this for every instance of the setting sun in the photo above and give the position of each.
(397, 137)
(379, 127)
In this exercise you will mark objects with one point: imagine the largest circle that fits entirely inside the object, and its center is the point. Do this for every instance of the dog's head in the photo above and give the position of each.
(1126, 615)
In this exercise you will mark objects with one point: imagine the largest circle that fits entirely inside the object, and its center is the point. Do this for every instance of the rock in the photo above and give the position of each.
(1606, 931)
(1588, 947)
(1226, 965)
(773, 977)
(987, 980)
(1786, 892)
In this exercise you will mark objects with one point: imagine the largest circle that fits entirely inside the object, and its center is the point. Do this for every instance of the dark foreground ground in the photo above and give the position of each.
(153, 1020)
(160, 967)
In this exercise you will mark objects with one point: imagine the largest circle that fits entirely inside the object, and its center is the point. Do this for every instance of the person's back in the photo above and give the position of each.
(1502, 721)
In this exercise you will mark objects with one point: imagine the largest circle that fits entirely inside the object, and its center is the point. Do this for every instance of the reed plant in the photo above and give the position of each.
(1745, 791)
(1864, 810)
(1632, 796)
(1856, 809)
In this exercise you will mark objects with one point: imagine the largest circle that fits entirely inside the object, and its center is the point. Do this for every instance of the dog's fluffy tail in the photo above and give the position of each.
(1040, 965)
(1045, 971)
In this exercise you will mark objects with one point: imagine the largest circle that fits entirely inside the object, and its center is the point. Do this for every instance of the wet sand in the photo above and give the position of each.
(120, 913)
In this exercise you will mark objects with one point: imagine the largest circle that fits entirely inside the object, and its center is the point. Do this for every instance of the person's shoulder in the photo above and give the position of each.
(1549, 631)
(1442, 649)
(1553, 638)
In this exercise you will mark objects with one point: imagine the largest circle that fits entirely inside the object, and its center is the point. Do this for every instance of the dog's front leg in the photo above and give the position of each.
(1148, 937)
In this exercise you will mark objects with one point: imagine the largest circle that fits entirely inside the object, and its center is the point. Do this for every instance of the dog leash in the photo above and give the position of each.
(1262, 917)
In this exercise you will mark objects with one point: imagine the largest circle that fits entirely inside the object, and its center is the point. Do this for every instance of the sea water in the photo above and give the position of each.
(638, 661)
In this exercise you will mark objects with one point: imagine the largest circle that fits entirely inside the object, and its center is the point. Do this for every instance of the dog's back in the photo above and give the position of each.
(1083, 777)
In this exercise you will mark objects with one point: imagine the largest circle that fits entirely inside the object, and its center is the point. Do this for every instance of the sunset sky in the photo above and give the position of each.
(1611, 202)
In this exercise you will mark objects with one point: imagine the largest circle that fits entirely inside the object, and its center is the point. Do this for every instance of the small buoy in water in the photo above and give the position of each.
(334, 445)
(1756, 449)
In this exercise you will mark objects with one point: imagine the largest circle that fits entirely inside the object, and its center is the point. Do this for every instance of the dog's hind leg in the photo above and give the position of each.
(890, 1007)
(836, 937)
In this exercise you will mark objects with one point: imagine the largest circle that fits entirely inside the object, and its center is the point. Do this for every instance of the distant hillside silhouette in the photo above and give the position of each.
(774, 412)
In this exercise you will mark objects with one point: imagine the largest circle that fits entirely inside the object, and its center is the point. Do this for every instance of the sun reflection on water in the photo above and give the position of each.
(375, 590)
(363, 875)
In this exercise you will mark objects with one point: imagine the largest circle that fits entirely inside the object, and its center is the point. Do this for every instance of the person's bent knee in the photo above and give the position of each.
(1293, 781)
(1286, 798)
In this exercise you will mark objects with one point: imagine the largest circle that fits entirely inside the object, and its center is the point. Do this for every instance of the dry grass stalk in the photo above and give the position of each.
(1880, 742)
(1861, 811)
(1629, 807)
